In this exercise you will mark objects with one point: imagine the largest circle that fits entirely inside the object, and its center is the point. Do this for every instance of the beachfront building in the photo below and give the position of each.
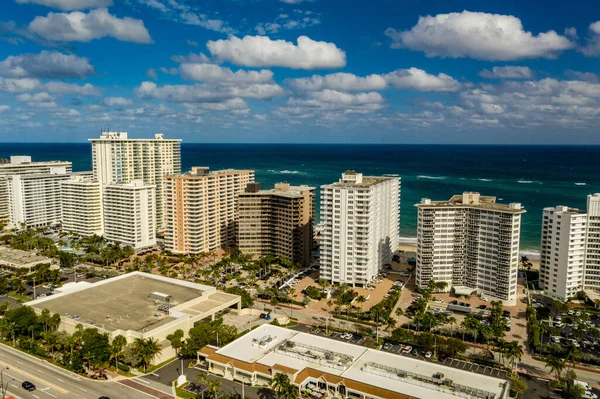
(119, 159)
(277, 221)
(35, 199)
(201, 209)
(562, 255)
(321, 367)
(570, 250)
(592, 246)
(22, 165)
(129, 214)
(470, 242)
(359, 227)
(81, 204)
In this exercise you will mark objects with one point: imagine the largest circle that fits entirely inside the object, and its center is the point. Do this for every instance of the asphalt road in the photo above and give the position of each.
(52, 382)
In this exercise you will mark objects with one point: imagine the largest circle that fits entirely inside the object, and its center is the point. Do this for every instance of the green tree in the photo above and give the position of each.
(116, 348)
(555, 363)
(148, 348)
(176, 340)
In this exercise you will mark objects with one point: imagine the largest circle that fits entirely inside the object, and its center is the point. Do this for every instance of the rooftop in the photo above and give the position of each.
(122, 136)
(122, 303)
(17, 257)
(200, 172)
(280, 348)
(280, 189)
(472, 200)
(351, 179)
(565, 210)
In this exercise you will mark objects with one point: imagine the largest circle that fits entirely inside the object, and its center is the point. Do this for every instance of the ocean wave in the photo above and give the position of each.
(408, 240)
(531, 254)
(484, 179)
(431, 177)
(581, 184)
(529, 182)
(285, 172)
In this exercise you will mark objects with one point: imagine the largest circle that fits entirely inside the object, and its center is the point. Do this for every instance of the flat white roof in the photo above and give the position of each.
(269, 345)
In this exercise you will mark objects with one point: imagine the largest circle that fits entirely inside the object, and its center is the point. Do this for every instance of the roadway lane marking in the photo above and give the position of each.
(60, 380)
(35, 396)
(47, 393)
(82, 389)
(19, 362)
(142, 381)
(36, 378)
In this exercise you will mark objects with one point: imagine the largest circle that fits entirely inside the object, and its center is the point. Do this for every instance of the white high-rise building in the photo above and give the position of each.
(129, 214)
(360, 218)
(22, 165)
(592, 247)
(562, 255)
(119, 159)
(81, 200)
(35, 200)
(470, 242)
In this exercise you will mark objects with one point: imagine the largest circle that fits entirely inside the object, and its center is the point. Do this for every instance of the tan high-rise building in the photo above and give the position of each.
(277, 221)
(81, 203)
(201, 209)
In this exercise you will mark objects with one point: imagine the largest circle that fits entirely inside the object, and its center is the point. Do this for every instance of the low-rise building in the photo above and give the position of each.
(277, 221)
(130, 214)
(16, 259)
(326, 366)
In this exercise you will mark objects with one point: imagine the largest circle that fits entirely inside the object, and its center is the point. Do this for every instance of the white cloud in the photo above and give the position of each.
(592, 47)
(340, 81)
(28, 85)
(116, 101)
(216, 73)
(192, 43)
(207, 92)
(81, 27)
(478, 35)
(19, 85)
(203, 21)
(69, 5)
(261, 51)
(71, 88)
(298, 19)
(191, 58)
(47, 64)
(585, 76)
(507, 72)
(418, 79)
(4, 108)
(37, 97)
(168, 71)
(232, 104)
(333, 96)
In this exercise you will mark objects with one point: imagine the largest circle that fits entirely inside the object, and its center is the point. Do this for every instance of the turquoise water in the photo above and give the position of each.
(536, 176)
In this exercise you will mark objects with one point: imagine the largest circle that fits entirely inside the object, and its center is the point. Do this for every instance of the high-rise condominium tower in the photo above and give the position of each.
(201, 209)
(360, 226)
(277, 221)
(81, 200)
(129, 214)
(470, 242)
(570, 250)
(22, 165)
(119, 159)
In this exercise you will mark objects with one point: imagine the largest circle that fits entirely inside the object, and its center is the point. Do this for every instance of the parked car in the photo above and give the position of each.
(407, 350)
(428, 355)
(415, 352)
(387, 346)
(28, 386)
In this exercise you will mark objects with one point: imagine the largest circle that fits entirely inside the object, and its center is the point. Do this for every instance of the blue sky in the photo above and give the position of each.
(338, 71)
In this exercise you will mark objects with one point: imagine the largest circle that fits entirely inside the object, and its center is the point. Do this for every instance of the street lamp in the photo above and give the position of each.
(2, 382)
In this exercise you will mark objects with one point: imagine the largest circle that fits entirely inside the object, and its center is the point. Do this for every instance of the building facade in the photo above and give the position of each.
(359, 227)
(471, 243)
(22, 165)
(129, 214)
(562, 255)
(201, 209)
(277, 221)
(81, 203)
(35, 199)
(119, 159)
(592, 246)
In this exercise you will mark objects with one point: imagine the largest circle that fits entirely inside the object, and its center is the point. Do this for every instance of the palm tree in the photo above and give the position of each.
(555, 363)
(452, 322)
(116, 346)
(214, 385)
(148, 349)
(514, 352)
(361, 299)
(282, 385)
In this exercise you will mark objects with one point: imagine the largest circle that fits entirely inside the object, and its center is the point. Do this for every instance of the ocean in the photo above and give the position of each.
(535, 176)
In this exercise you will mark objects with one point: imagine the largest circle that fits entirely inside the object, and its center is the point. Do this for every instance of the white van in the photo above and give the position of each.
(584, 385)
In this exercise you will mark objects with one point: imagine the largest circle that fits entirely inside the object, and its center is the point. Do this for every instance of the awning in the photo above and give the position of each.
(462, 290)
